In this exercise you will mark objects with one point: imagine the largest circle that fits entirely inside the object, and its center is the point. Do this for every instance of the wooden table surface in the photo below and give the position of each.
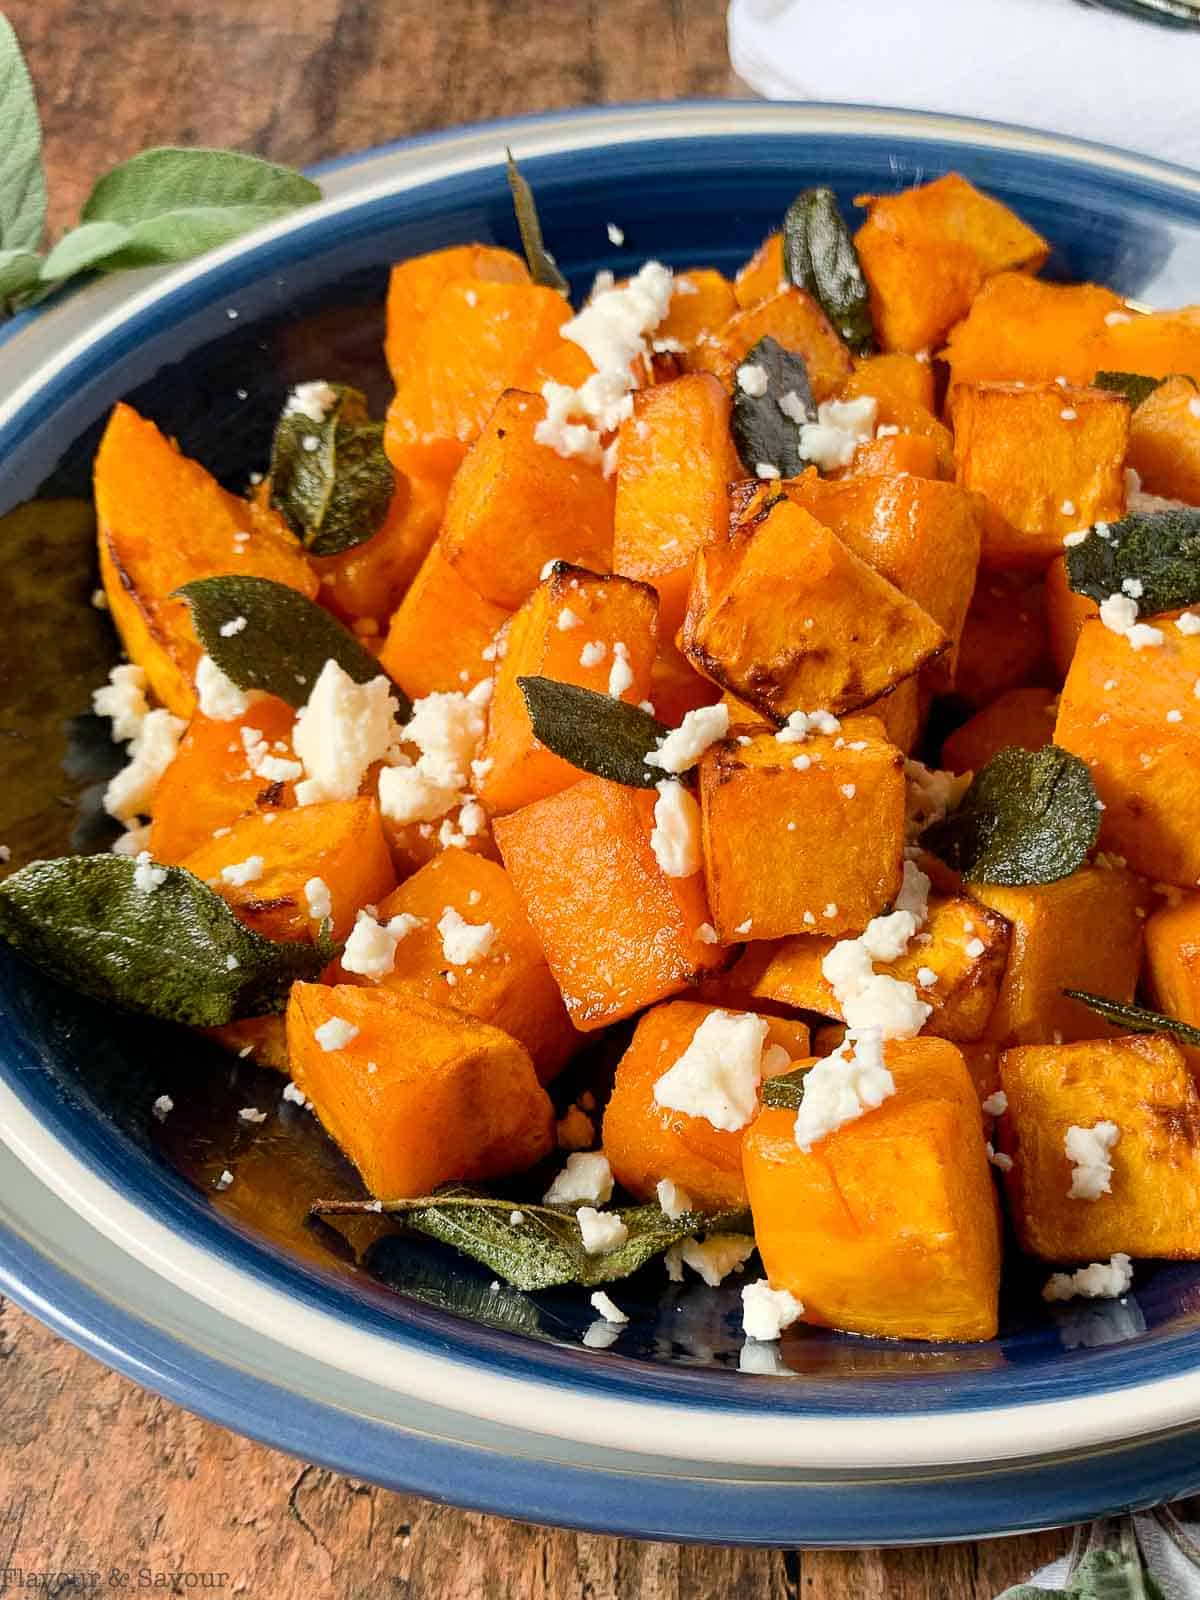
(94, 1472)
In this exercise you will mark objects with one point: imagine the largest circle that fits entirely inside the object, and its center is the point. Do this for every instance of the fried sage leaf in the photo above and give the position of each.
(1155, 553)
(765, 425)
(176, 951)
(1136, 1019)
(1134, 386)
(1030, 816)
(284, 641)
(786, 1091)
(545, 1249)
(594, 732)
(543, 268)
(819, 255)
(330, 479)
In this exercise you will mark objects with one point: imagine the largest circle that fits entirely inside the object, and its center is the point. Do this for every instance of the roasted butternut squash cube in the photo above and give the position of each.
(922, 535)
(598, 632)
(793, 318)
(895, 378)
(904, 404)
(1022, 329)
(674, 466)
(1004, 642)
(646, 1142)
(515, 504)
(888, 1225)
(1049, 459)
(1164, 440)
(965, 953)
(800, 621)
(676, 687)
(1066, 613)
(1140, 1084)
(1173, 963)
(1159, 344)
(788, 847)
(903, 712)
(478, 339)
(892, 453)
(443, 635)
(926, 252)
(763, 275)
(162, 521)
(209, 784)
(1020, 717)
(703, 301)
(262, 1039)
(262, 864)
(414, 288)
(368, 581)
(1083, 932)
(509, 985)
(1134, 717)
(415, 1094)
(618, 933)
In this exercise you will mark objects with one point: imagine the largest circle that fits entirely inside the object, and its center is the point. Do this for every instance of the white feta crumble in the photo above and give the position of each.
(998, 1159)
(620, 677)
(568, 620)
(974, 948)
(515, 1218)
(146, 876)
(929, 795)
(794, 408)
(717, 1256)
(616, 236)
(593, 653)
(873, 1000)
(684, 745)
(130, 843)
(1068, 413)
(447, 729)
(1080, 536)
(996, 1104)
(766, 471)
(707, 934)
(129, 794)
(462, 941)
(675, 838)
(318, 899)
(1188, 622)
(1102, 1280)
(99, 600)
(123, 699)
(752, 379)
(926, 977)
(240, 873)
(234, 626)
(1194, 406)
(371, 948)
(766, 1312)
(163, 1107)
(675, 1201)
(841, 426)
(1067, 509)
(601, 1231)
(294, 1096)
(335, 1034)
(601, 1302)
(800, 724)
(224, 1181)
(717, 1076)
(1088, 1152)
(343, 729)
(587, 1176)
(843, 1086)
(217, 695)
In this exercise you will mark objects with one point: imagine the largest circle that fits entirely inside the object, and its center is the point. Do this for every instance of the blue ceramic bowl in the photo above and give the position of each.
(109, 1227)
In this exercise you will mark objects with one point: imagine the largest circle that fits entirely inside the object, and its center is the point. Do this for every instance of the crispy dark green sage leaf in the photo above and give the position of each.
(786, 1091)
(543, 268)
(284, 642)
(1030, 816)
(819, 255)
(1136, 1019)
(1134, 386)
(1157, 553)
(545, 1249)
(765, 433)
(176, 952)
(594, 732)
(330, 479)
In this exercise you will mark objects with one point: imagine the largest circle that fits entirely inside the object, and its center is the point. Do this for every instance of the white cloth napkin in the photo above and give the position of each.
(1051, 64)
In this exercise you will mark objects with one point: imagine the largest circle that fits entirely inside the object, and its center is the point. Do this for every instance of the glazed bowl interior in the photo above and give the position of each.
(210, 355)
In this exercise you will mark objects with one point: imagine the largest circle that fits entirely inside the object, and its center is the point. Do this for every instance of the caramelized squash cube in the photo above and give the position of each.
(702, 302)
(1142, 1084)
(763, 275)
(1004, 642)
(1134, 717)
(913, 453)
(888, 1225)
(793, 318)
(676, 687)
(416, 1095)
(415, 285)
(1066, 613)
(443, 635)
(368, 581)
(618, 934)
(1049, 459)
(1173, 963)
(1164, 440)
(1020, 329)
(1020, 717)
(788, 848)
(1159, 344)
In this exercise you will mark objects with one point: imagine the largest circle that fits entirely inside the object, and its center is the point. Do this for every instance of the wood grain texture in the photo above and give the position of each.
(94, 1472)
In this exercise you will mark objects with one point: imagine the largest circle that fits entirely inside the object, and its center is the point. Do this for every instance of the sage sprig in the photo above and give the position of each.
(1153, 555)
(543, 268)
(763, 431)
(594, 732)
(161, 206)
(786, 1091)
(1136, 1019)
(819, 255)
(330, 479)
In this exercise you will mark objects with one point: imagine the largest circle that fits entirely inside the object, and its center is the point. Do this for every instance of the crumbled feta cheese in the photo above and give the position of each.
(371, 948)
(794, 408)
(1119, 612)
(318, 899)
(1188, 622)
(311, 400)
(234, 626)
(600, 1335)
(130, 843)
(1194, 406)
(1112, 318)
(462, 941)
(849, 790)
(447, 728)
(996, 1104)
(601, 1302)
(129, 794)
(146, 876)
(252, 1114)
(718, 1255)
(163, 1107)
(1068, 413)
(515, 1218)
(926, 977)
(1067, 509)
(675, 1202)
(123, 698)
(344, 728)
(707, 934)
(406, 794)
(841, 426)
(1088, 1152)
(717, 1076)
(1174, 716)
(766, 1312)
(1102, 1280)
(800, 724)
(1080, 536)
(842, 1087)
(601, 1231)
(998, 1159)
(224, 1181)
(615, 236)
(684, 745)
(752, 379)
(568, 620)
(99, 600)
(875, 1000)
(335, 1034)
(294, 1096)
(240, 873)
(593, 653)
(620, 677)
(217, 695)
(587, 1176)
(675, 838)
(929, 795)
(974, 948)
(1134, 587)
(764, 470)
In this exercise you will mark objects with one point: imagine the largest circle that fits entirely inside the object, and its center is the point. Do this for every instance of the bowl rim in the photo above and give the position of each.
(39, 348)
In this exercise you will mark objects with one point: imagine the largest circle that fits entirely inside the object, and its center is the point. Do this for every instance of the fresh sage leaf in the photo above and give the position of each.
(1158, 550)
(763, 431)
(176, 952)
(1136, 1019)
(545, 1249)
(1134, 386)
(285, 642)
(819, 255)
(330, 480)
(166, 182)
(83, 248)
(785, 1092)
(1029, 816)
(542, 267)
(19, 270)
(595, 732)
(22, 178)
